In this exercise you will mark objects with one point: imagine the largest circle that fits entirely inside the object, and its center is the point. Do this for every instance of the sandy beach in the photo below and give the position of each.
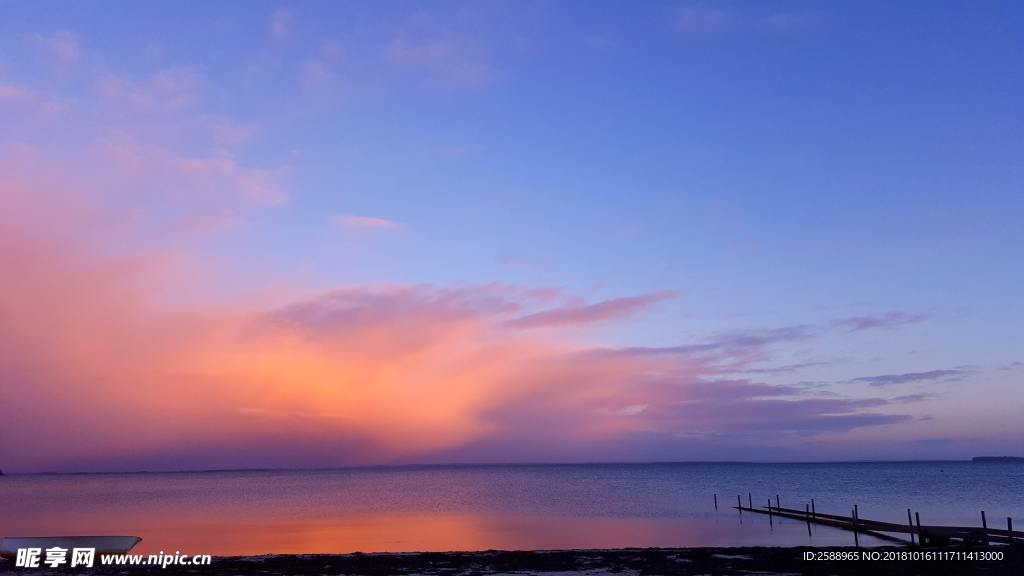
(627, 561)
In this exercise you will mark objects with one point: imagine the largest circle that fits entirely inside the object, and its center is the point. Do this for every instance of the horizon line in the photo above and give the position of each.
(498, 464)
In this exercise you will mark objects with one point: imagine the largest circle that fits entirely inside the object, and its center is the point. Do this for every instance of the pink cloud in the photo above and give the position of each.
(101, 341)
(14, 94)
(44, 106)
(353, 223)
(116, 339)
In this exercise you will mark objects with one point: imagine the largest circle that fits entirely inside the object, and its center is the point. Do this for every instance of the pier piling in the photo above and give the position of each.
(807, 516)
(856, 538)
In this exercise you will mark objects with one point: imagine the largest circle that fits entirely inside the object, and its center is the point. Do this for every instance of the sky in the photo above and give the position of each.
(312, 234)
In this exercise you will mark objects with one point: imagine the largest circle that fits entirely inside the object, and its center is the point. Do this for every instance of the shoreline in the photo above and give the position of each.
(597, 562)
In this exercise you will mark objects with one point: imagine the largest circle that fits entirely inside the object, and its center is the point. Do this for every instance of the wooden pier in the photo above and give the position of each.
(909, 533)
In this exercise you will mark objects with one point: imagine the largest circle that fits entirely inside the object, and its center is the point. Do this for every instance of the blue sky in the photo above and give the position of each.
(772, 164)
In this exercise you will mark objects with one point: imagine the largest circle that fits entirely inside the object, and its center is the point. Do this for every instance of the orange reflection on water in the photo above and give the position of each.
(192, 535)
(415, 533)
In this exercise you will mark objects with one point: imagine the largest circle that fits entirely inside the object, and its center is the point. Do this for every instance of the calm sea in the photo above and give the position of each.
(503, 507)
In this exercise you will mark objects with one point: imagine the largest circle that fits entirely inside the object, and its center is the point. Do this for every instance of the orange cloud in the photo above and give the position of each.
(120, 347)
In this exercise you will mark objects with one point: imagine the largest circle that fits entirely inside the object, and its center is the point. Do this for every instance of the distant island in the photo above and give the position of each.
(998, 459)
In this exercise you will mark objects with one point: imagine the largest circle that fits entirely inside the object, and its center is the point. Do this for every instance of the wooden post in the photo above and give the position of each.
(984, 523)
(910, 521)
(716, 501)
(777, 505)
(807, 516)
(921, 540)
(1009, 529)
(739, 504)
(750, 501)
(771, 523)
(813, 512)
(856, 539)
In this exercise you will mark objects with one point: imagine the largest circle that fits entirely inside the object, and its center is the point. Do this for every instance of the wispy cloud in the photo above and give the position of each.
(63, 47)
(231, 134)
(280, 26)
(888, 320)
(322, 71)
(783, 369)
(949, 375)
(20, 97)
(11, 93)
(168, 90)
(203, 180)
(590, 313)
(740, 344)
(449, 60)
(911, 398)
(449, 48)
(720, 17)
(353, 223)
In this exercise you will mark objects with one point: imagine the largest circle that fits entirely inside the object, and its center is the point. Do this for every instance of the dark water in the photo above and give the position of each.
(508, 507)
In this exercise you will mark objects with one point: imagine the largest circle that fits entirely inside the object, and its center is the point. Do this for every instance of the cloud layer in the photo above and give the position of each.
(139, 377)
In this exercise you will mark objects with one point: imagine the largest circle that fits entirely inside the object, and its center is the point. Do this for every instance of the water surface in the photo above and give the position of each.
(501, 507)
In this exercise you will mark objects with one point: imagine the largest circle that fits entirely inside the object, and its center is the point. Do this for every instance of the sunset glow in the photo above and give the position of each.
(344, 236)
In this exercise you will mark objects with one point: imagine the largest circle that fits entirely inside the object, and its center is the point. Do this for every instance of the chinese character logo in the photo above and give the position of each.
(28, 557)
(83, 557)
(56, 556)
